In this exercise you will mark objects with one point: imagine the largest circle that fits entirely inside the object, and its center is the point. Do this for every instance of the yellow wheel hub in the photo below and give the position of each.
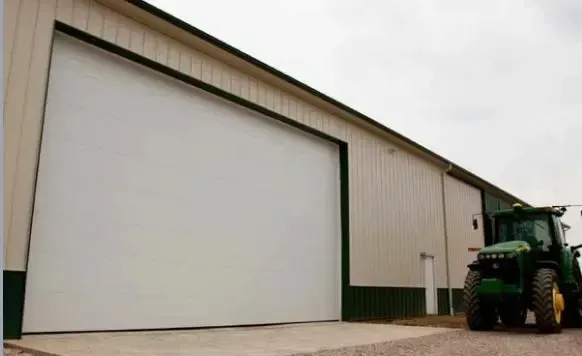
(558, 300)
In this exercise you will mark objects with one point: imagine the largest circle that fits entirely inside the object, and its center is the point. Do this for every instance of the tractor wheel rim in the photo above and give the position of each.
(558, 300)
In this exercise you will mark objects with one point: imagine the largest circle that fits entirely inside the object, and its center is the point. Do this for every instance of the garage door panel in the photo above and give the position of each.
(134, 208)
(161, 279)
(118, 228)
(274, 165)
(234, 302)
(179, 102)
(132, 171)
(160, 206)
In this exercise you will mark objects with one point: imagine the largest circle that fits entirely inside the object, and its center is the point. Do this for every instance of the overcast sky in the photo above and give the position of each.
(494, 86)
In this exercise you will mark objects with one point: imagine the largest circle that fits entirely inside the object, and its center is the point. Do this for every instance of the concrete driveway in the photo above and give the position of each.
(273, 340)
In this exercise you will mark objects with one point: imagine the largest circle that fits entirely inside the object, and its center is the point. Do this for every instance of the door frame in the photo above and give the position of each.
(344, 236)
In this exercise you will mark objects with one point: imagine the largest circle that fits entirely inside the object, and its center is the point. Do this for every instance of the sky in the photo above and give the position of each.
(494, 86)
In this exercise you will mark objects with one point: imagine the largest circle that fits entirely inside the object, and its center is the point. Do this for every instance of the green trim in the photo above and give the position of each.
(14, 284)
(346, 296)
(443, 300)
(491, 203)
(343, 146)
(458, 171)
(158, 67)
(369, 303)
(358, 303)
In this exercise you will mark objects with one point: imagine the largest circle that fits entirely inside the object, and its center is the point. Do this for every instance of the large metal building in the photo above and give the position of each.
(156, 177)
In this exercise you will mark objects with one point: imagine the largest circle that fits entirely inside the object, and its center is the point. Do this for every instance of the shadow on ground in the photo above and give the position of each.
(458, 322)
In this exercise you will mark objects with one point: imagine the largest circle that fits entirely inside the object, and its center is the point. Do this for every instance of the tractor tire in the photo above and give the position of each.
(545, 301)
(479, 316)
(513, 318)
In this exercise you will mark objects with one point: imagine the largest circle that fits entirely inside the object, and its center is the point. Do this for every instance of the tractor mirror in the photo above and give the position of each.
(475, 224)
(577, 254)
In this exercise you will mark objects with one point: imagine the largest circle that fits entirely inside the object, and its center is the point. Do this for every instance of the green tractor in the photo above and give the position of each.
(528, 266)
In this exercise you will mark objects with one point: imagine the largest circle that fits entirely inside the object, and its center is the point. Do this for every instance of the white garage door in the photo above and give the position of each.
(161, 206)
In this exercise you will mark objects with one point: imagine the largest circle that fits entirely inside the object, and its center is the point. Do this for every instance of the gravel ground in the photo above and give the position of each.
(15, 352)
(458, 343)
(465, 343)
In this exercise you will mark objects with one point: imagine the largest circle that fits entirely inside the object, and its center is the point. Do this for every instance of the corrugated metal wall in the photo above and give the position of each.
(395, 197)
(398, 203)
(462, 201)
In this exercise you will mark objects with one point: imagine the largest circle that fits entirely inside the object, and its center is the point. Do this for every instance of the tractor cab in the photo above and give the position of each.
(540, 228)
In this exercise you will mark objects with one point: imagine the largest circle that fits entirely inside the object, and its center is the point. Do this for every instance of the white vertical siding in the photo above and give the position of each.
(25, 78)
(396, 201)
(462, 201)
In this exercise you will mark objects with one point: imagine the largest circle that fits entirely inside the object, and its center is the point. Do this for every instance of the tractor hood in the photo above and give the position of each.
(507, 247)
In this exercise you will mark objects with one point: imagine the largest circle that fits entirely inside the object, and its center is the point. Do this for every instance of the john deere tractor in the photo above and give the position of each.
(528, 266)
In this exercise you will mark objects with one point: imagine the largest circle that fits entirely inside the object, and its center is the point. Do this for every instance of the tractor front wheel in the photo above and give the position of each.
(547, 301)
(479, 315)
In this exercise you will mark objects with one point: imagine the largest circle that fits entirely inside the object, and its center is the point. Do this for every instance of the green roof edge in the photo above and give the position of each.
(481, 183)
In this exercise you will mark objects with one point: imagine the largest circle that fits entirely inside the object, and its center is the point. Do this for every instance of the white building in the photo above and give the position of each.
(158, 178)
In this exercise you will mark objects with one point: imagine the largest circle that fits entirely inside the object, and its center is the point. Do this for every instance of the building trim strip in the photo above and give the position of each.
(13, 285)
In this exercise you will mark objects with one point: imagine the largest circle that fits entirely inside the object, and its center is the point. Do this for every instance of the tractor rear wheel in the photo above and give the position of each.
(479, 315)
(547, 301)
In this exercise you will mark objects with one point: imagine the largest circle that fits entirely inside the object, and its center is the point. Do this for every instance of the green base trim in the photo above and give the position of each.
(369, 303)
(14, 282)
(443, 300)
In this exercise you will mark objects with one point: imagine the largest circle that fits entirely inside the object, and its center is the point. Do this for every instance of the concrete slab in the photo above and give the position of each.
(256, 341)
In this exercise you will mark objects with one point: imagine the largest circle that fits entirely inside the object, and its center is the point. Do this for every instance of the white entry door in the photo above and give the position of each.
(429, 285)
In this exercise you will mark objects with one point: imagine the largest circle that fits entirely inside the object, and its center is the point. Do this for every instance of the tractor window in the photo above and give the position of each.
(542, 232)
(531, 229)
(561, 234)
